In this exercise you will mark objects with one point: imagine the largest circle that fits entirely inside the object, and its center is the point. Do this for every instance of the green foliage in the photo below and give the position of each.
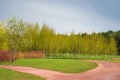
(67, 66)
(117, 37)
(15, 31)
(81, 56)
(3, 44)
(6, 74)
(23, 37)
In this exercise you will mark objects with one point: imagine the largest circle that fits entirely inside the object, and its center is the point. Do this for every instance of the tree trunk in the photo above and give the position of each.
(13, 55)
(12, 60)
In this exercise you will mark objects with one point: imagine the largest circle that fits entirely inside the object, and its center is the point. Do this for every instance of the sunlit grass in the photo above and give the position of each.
(62, 65)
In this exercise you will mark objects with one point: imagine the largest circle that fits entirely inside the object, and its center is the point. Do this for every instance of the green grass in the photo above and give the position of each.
(6, 74)
(62, 65)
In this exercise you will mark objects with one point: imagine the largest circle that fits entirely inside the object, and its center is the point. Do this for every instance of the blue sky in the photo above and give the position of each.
(66, 16)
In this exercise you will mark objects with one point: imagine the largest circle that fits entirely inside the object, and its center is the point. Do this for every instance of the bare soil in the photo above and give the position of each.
(104, 71)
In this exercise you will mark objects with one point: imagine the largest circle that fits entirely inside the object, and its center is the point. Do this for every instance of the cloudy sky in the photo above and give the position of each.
(66, 16)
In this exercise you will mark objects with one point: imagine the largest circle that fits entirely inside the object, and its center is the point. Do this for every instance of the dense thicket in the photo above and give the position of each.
(32, 37)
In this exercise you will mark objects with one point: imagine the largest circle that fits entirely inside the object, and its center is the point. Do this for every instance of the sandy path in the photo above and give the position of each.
(105, 71)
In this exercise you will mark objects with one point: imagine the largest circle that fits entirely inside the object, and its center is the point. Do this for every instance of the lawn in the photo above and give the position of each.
(62, 65)
(6, 74)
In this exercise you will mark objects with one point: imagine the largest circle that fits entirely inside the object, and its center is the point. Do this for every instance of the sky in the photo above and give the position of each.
(65, 16)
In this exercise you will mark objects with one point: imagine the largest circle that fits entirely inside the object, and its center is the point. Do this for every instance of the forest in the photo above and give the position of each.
(17, 35)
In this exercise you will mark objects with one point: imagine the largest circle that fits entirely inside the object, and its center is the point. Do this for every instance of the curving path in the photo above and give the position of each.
(105, 71)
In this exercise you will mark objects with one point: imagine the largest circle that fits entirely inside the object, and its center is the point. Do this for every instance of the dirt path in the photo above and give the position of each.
(105, 71)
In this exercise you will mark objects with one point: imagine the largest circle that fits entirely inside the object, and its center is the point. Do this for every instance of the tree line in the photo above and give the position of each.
(17, 35)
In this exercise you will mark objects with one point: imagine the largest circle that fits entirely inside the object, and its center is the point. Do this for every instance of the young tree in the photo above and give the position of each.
(15, 32)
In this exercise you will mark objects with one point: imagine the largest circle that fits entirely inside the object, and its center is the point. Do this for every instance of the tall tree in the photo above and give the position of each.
(112, 45)
(117, 37)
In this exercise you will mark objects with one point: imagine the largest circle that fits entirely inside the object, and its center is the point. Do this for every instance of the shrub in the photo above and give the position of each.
(20, 55)
(34, 54)
(5, 55)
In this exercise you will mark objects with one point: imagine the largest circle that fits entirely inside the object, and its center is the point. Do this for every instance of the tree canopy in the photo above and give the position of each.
(22, 36)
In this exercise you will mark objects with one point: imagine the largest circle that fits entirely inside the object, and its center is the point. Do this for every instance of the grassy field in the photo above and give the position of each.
(6, 74)
(62, 65)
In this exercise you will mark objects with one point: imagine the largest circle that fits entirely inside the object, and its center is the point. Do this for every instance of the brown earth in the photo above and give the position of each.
(104, 71)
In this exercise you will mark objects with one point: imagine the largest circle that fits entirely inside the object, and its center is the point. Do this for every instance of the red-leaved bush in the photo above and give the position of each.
(5, 55)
